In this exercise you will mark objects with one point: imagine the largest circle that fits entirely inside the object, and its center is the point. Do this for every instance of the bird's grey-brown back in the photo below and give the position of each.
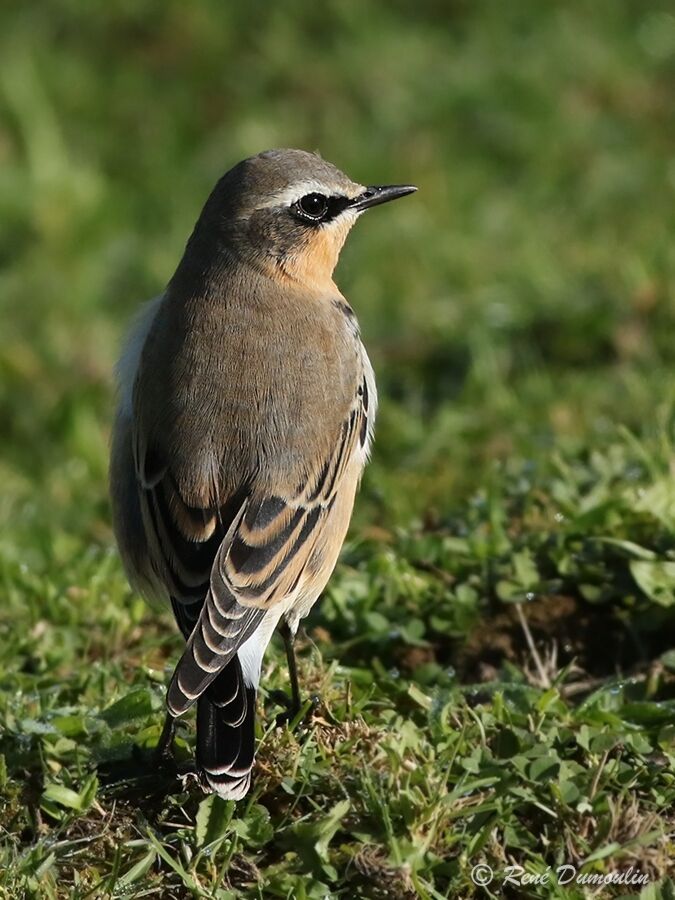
(252, 380)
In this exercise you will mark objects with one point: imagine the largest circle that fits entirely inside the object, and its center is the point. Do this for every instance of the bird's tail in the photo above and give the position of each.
(226, 733)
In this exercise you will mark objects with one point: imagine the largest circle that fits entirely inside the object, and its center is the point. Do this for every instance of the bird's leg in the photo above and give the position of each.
(163, 752)
(289, 644)
(293, 703)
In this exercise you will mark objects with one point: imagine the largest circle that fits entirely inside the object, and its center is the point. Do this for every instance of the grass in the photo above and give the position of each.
(495, 654)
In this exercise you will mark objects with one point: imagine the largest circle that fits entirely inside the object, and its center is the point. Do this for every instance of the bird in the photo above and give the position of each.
(246, 406)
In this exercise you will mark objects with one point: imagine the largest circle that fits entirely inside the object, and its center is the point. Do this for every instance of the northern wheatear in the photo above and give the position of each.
(245, 418)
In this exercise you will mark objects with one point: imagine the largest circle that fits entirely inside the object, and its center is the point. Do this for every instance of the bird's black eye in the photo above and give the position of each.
(311, 207)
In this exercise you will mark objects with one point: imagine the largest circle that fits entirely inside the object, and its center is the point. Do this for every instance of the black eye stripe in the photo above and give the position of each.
(336, 205)
(302, 209)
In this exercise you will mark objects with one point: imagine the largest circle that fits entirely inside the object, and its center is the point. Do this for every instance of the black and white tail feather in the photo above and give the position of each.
(225, 723)
(226, 733)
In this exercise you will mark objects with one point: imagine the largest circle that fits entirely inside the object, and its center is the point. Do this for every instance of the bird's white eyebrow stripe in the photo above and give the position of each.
(294, 192)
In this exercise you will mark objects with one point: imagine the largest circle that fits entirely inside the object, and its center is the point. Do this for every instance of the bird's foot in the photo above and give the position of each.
(146, 762)
(164, 757)
(295, 712)
(145, 769)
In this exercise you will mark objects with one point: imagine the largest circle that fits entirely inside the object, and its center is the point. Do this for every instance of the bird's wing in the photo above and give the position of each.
(244, 556)
(262, 561)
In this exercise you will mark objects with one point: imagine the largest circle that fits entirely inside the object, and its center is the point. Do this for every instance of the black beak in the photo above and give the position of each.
(374, 195)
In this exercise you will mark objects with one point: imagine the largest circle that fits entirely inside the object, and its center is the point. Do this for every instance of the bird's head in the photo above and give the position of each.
(289, 212)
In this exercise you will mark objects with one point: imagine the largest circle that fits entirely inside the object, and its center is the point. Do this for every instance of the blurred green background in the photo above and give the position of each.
(518, 309)
(523, 299)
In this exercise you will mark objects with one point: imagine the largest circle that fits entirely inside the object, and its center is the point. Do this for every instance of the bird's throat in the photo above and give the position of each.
(313, 263)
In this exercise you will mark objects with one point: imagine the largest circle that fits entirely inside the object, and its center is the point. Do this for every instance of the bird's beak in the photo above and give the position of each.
(376, 194)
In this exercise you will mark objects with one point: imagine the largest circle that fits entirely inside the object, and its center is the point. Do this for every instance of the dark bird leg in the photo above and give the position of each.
(289, 644)
(293, 703)
(163, 752)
